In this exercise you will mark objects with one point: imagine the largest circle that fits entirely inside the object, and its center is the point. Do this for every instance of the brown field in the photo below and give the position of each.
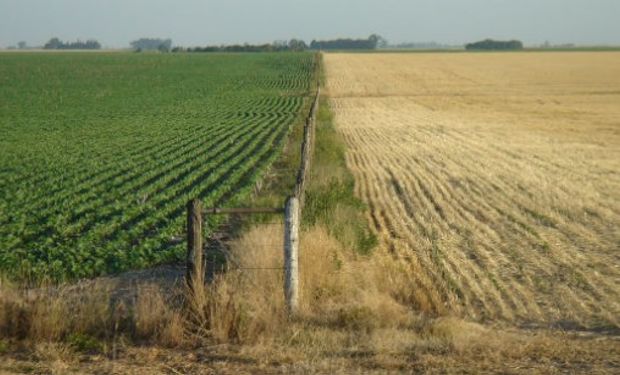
(493, 178)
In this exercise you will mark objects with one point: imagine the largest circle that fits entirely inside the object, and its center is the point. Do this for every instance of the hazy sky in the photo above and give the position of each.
(200, 22)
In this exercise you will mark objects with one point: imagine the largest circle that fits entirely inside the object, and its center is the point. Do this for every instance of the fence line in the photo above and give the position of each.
(307, 150)
(197, 264)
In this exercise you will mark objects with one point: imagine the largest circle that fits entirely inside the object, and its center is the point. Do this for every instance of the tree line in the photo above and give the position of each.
(373, 42)
(152, 44)
(294, 45)
(165, 45)
(56, 43)
(497, 45)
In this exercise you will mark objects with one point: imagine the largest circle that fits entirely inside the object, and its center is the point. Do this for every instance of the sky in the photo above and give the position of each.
(115, 23)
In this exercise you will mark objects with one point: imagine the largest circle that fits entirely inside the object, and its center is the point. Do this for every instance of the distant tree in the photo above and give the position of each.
(371, 43)
(56, 43)
(279, 44)
(152, 44)
(276, 46)
(21, 45)
(53, 43)
(381, 41)
(164, 47)
(297, 45)
(89, 44)
(497, 45)
(378, 41)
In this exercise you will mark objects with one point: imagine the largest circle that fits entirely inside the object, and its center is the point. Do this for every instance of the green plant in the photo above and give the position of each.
(96, 168)
(331, 199)
(84, 343)
(4, 346)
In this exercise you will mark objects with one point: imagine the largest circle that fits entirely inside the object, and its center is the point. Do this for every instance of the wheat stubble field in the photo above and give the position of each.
(493, 178)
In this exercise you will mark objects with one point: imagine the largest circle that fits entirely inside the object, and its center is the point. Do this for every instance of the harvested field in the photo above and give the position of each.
(494, 178)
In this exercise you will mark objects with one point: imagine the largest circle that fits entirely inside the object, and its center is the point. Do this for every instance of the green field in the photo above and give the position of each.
(100, 152)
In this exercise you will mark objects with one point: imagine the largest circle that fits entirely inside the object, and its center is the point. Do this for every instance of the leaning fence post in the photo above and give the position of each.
(194, 274)
(291, 255)
(209, 260)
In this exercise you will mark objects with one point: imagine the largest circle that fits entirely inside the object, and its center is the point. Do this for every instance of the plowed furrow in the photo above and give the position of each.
(502, 199)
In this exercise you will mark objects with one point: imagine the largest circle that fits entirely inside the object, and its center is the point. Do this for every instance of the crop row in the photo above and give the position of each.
(102, 152)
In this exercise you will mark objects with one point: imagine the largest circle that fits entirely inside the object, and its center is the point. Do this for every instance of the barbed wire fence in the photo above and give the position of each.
(204, 261)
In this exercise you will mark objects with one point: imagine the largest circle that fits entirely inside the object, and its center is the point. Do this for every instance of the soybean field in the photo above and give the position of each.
(100, 152)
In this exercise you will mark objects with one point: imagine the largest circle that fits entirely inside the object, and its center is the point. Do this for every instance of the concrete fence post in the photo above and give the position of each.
(291, 255)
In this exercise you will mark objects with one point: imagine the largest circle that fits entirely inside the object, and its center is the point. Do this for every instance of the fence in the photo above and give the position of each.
(201, 264)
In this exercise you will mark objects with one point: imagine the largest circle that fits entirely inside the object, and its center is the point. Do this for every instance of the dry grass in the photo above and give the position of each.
(492, 177)
(89, 317)
(339, 290)
(354, 319)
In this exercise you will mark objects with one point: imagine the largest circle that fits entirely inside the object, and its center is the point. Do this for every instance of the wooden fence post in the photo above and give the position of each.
(210, 259)
(194, 274)
(291, 255)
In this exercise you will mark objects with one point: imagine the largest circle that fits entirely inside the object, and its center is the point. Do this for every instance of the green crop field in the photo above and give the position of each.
(100, 152)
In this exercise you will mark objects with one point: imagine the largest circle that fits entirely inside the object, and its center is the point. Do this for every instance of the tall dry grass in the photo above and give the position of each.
(356, 315)
(87, 315)
(340, 290)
